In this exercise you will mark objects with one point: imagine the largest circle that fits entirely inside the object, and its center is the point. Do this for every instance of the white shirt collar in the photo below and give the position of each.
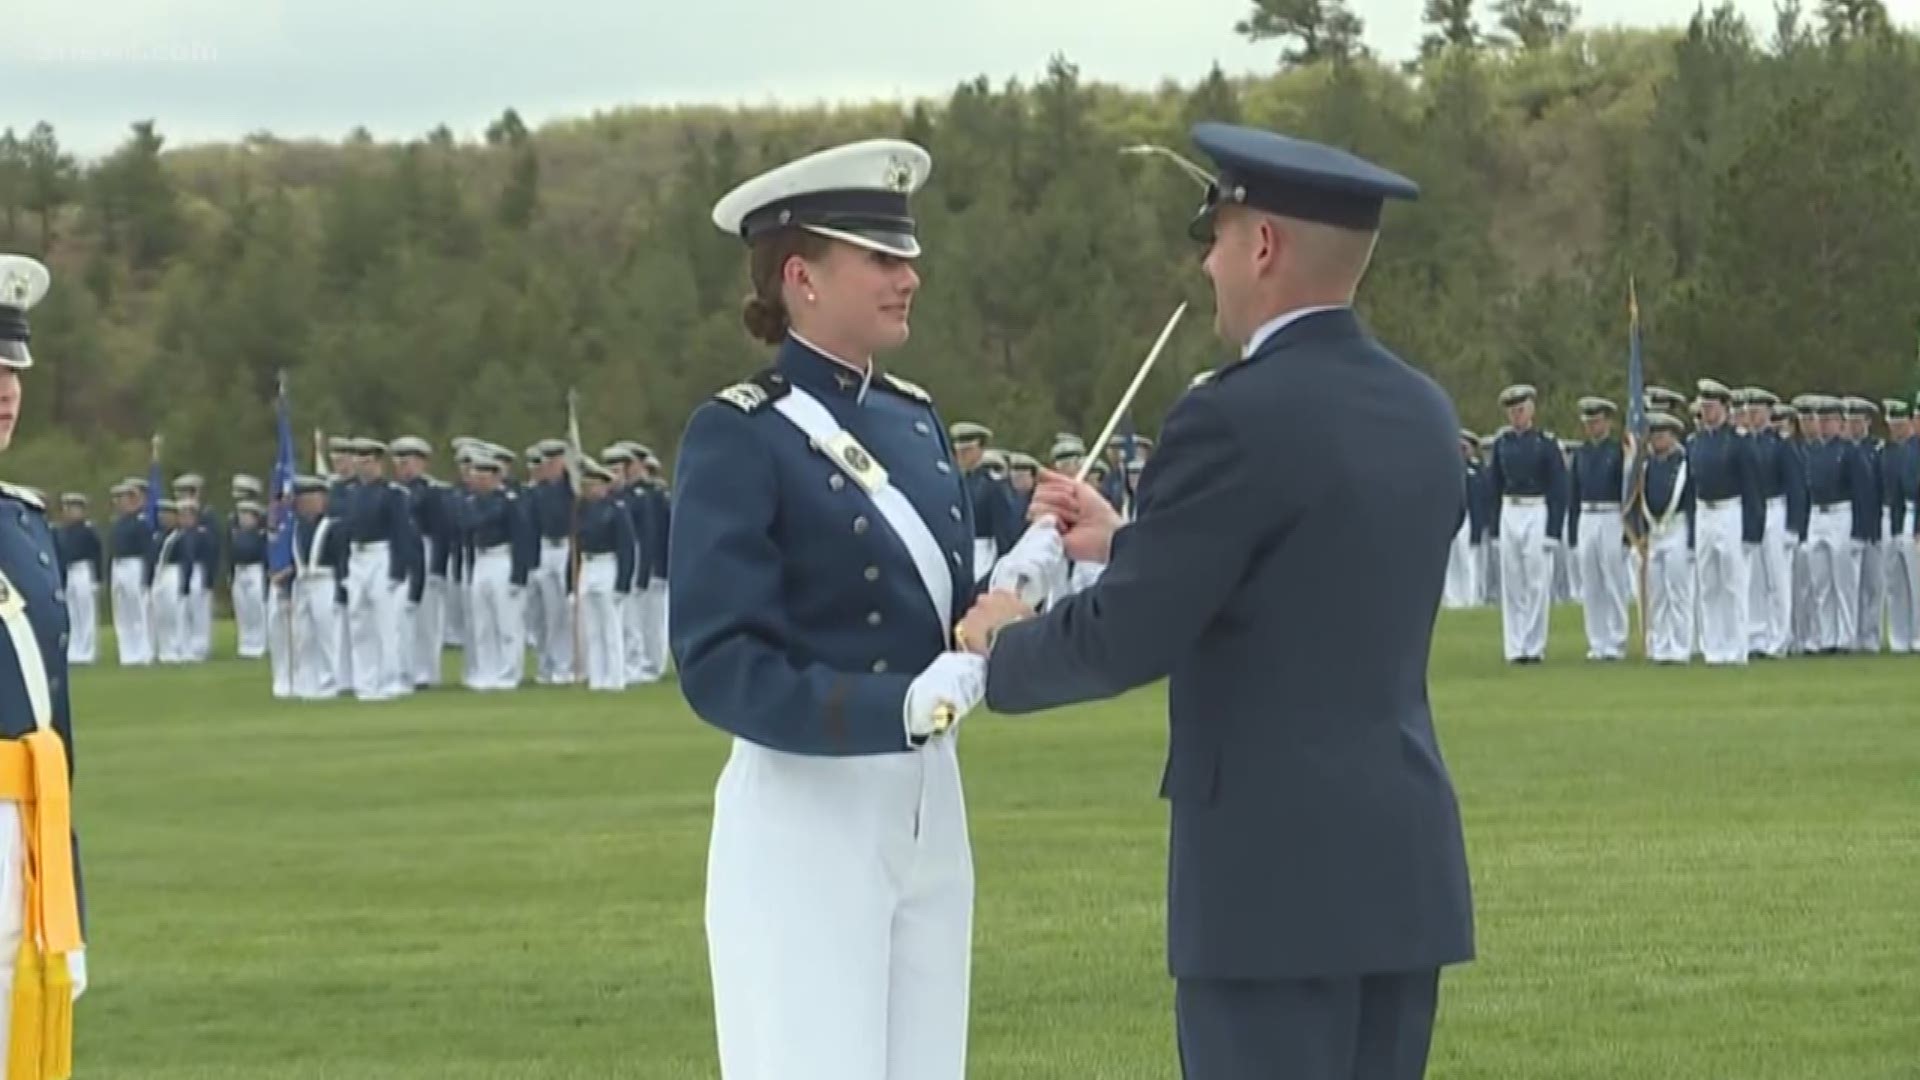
(866, 374)
(1281, 322)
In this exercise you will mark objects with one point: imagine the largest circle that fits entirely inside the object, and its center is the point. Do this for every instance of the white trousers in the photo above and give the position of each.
(1833, 578)
(429, 631)
(369, 619)
(455, 619)
(633, 638)
(83, 614)
(169, 615)
(839, 916)
(471, 647)
(315, 654)
(1903, 591)
(132, 613)
(197, 617)
(1604, 592)
(602, 624)
(498, 637)
(1490, 571)
(1462, 588)
(1670, 595)
(1720, 579)
(1770, 586)
(1526, 579)
(250, 608)
(1802, 600)
(398, 631)
(550, 616)
(1870, 631)
(653, 622)
(279, 634)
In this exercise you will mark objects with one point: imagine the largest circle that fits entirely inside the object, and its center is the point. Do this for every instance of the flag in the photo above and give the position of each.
(280, 488)
(1634, 473)
(575, 455)
(153, 487)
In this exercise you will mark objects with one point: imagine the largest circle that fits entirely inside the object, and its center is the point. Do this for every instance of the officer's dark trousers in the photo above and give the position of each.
(1370, 1027)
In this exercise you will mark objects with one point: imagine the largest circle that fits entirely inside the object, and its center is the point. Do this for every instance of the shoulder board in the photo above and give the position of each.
(756, 393)
(902, 386)
(1202, 379)
(511, 494)
(20, 494)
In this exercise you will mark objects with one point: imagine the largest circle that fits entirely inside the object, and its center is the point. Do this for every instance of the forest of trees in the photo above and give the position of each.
(1758, 184)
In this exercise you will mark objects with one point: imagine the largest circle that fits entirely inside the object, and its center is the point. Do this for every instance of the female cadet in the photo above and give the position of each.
(40, 935)
(821, 548)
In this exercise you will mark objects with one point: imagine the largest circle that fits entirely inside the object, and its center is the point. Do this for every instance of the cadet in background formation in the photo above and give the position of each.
(608, 551)
(83, 561)
(1529, 482)
(550, 500)
(129, 545)
(1668, 523)
(1594, 531)
(1900, 472)
(170, 565)
(247, 576)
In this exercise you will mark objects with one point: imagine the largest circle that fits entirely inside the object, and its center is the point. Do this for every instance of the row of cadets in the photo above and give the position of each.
(550, 499)
(995, 526)
(84, 562)
(308, 599)
(608, 556)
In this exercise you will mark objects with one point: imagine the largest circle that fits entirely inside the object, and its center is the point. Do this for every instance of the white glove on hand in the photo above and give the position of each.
(1036, 567)
(77, 971)
(955, 680)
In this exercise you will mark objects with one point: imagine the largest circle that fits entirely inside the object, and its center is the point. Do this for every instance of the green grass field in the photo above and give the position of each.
(1678, 873)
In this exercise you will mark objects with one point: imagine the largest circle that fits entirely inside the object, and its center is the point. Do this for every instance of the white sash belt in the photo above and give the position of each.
(805, 412)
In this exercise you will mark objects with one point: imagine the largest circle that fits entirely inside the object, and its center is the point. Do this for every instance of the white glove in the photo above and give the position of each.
(77, 971)
(1036, 567)
(953, 684)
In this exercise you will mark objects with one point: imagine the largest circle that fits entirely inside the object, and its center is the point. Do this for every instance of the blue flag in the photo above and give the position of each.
(280, 489)
(1635, 472)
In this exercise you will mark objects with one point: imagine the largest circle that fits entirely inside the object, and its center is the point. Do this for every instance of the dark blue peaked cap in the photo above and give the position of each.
(1294, 178)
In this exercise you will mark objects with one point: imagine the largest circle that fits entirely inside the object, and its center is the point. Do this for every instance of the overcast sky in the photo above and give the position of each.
(217, 69)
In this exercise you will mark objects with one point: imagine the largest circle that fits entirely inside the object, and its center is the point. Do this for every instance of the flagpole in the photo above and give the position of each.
(288, 520)
(575, 457)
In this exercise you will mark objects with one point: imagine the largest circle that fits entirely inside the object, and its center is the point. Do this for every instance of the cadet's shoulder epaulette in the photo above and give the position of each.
(902, 386)
(511, 494)
(1201, 379)
(756, 393)
(20, 494)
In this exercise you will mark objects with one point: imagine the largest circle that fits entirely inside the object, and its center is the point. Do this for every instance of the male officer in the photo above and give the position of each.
(129, 543)
(1529, 481)
(317, 582)
(1594, 531)
(1668, 510)
(1839, 491)
(378, 531)
(1783, 483)
(170, 561)
(196, 617)
(631, 496)
(1900, 472)
(428, 503)
(497, 630)
(85, 566)
(1868, 637)
(1318, 876)
(995, 527)
(1729, 516)
(247, 559)
(550, 617)
(607, 549)
(1796, 424)
(658, 547)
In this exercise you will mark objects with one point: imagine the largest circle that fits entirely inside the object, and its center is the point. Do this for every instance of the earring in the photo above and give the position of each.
(810, 298)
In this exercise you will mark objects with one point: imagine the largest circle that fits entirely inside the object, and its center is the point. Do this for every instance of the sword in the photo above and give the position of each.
(1126, 400)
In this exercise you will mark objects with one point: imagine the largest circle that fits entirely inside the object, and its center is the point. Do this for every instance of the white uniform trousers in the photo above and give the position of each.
(1565, 586)
(454, 623)
(633, 637)
(1670, 605)
(250, 608)
(550, 615)
(1870, 629)
(196, 616)
(1802, 600)
(1833, 577)
(498, 633)
(369, 615)
(1526, 577)
(839, 916)
(398, 633)
(470, 651)
(83, 614)
(279, 634)
(1720, 579)
(1490, 571)
(1903, 587)
(653, 628)
(429, 630)
(1462, 589)
(317, 658)
(169, 615)
(602, 623)
(1602, 573)
(1770, 585)
(132, 612)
